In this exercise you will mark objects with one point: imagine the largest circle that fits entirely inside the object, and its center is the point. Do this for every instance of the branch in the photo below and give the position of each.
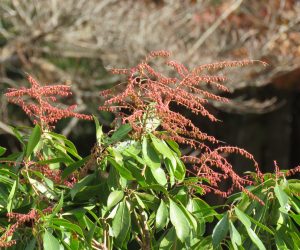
(212, 28)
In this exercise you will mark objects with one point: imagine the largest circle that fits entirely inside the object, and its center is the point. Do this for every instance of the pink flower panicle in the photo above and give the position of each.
(55, 175)
(226, 64)
(38, 102)
(293, 171)
(146, 87)
(20, 220)
(214, 167)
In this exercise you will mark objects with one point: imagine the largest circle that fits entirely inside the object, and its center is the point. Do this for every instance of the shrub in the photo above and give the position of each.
(136, 189)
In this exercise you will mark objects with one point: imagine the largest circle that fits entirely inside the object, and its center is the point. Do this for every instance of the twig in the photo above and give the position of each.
(5, 128)
(212, 28)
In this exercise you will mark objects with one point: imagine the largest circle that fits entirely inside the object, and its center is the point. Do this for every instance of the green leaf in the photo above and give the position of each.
(174, 146)
(180, 170)
(169, 241)
(74, 243)
(155, 187)
(160, 176)
(67, 225)
(150, 155)
(171, 170)
(255, 238)
(64, 141)
(42, 188)
(55, 160)
(247, 223)
(121, 223)
(74, 166)
(81, 184)
(162, 215)
(91, 233)
(220, 231)
(119, 134)
(124, 172)
(295, 187)
(114, 198)
(2, 151)
(180, 222)
(12, 195)
(242, 217)
(58, 206)
(31, 245)
(234, 234)
(281, 196)
(260, 225)
(161, 147)
(50, 242)
(296, 218)
(99, 132)
(33, 140)
(280, 244)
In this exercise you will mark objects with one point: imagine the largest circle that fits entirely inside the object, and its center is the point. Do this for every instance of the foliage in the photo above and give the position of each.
(134, 189)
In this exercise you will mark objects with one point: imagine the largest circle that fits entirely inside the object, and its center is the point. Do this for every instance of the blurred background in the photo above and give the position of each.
(77, 41)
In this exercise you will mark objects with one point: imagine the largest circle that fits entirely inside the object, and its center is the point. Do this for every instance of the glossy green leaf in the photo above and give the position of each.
(42, 188)
(171, 170)
(169, 241)
(295, 187)
(50, 242)
(262, 226)
(91, 233)
(81, 184)
(2, 151)
(114, 198)
(242, 217)
(174, 145)
(121, 223)
(255, 239)
(12, 196)
(280, 244)
(74, 243)
(180, 170)
(120, 134)
(247, 223)
(33, 140)
(161, 147)
(155, 187)
(281, 196)
(64, 141)
(150, 155)
(220, 231)
(234, 234)
(180, 222)
(99, 132)
(160, 176)
(124, 172)
(55, 160)
(74, 166)
(296, 218)
(65, 224)
(162, 215)
(31, 245)
(59, 206)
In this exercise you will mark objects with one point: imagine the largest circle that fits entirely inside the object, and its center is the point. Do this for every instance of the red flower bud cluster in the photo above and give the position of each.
(38, 102)
(20, 220)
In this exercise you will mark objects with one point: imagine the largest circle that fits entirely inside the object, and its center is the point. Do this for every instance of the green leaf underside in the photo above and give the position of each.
(162, 215)
(50, 242)
(220, 231)
(33, 140)
(179, 221)
(121, 223)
